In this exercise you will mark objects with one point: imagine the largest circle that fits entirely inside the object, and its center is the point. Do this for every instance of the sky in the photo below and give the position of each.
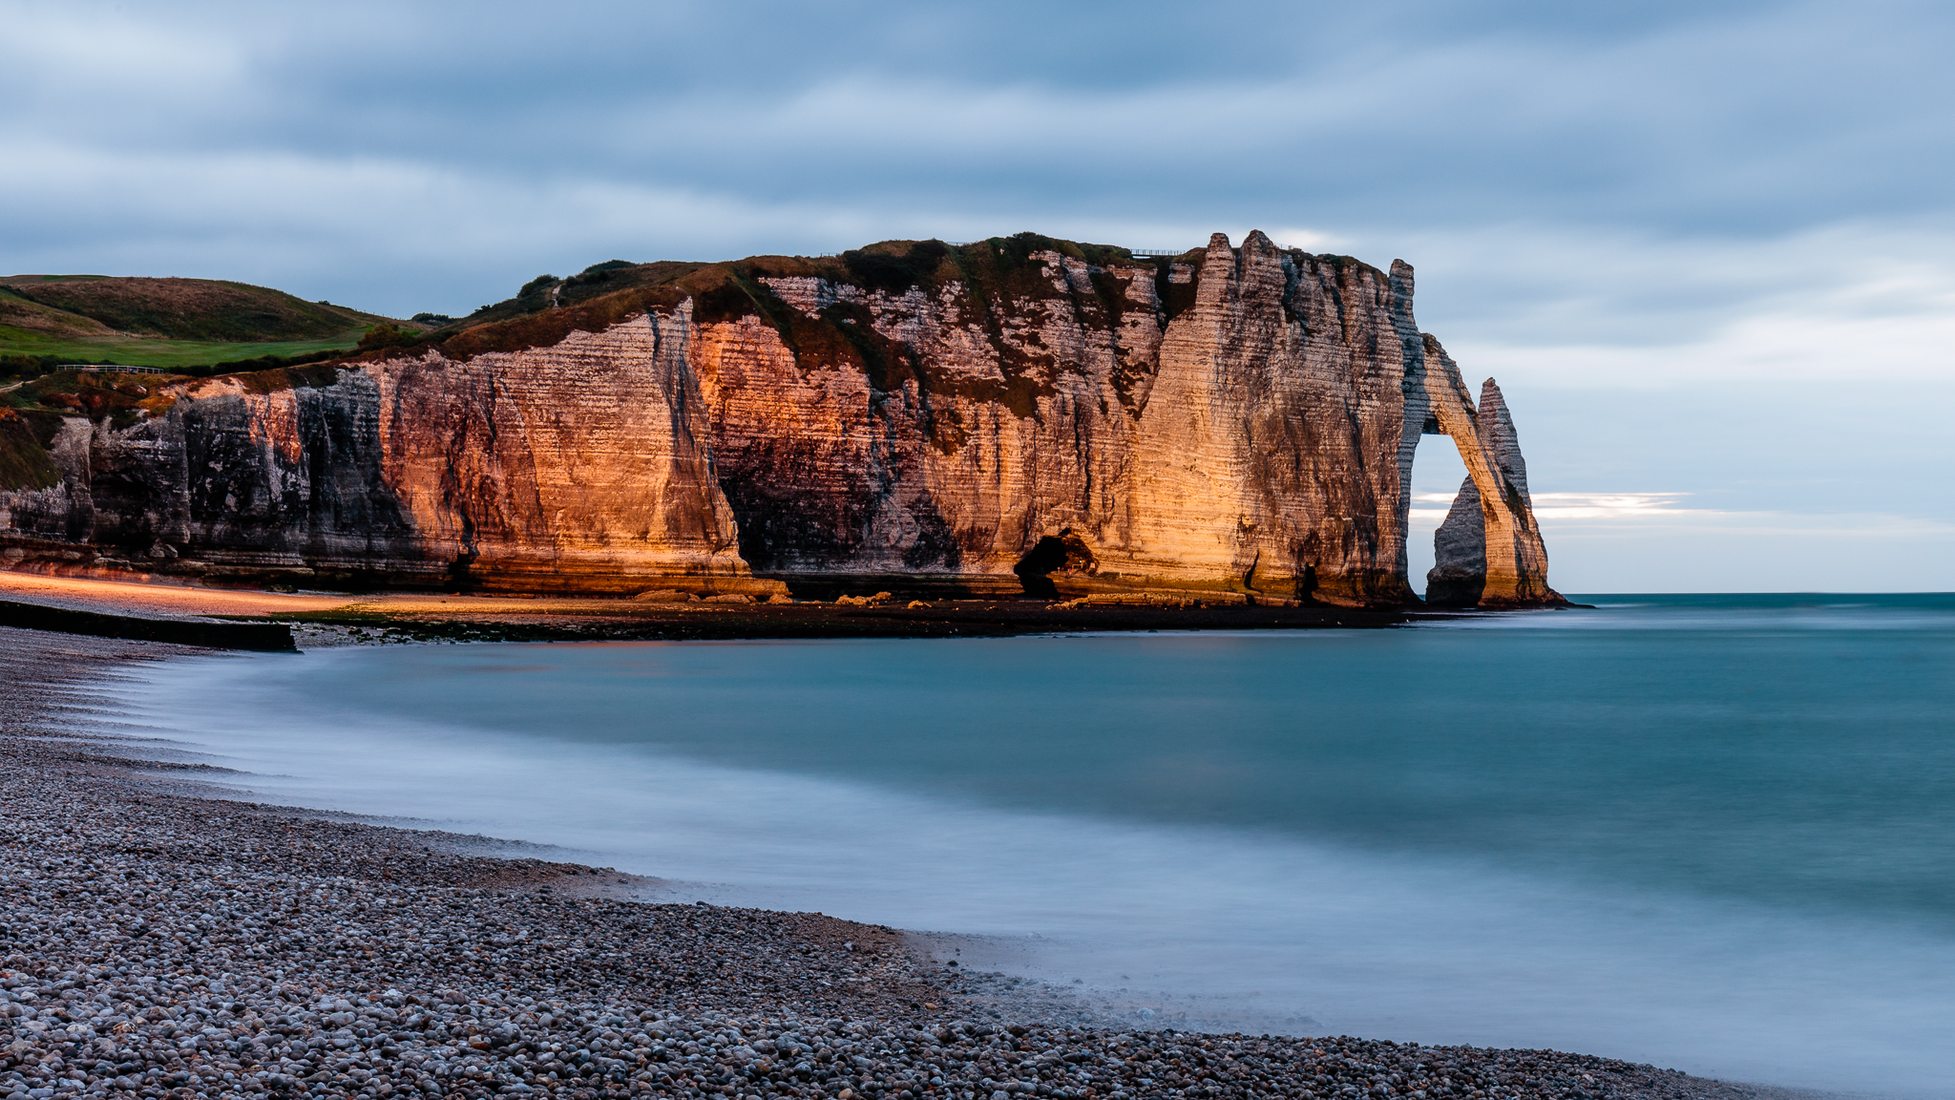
(1708, 249)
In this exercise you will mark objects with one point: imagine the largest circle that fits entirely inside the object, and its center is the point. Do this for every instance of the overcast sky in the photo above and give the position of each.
(1707, 249)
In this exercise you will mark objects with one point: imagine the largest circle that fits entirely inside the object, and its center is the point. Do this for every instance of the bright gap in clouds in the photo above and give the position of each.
(1438, 471)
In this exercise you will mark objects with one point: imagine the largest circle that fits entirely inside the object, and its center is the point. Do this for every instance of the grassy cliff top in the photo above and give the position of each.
(172, 323)
(992, 271)
(203, 327)
(549, 308)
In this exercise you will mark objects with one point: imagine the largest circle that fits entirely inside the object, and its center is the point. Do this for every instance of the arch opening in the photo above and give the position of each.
(1437, 474)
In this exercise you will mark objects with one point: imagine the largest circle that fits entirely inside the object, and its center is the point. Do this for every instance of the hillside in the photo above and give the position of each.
(171, 323)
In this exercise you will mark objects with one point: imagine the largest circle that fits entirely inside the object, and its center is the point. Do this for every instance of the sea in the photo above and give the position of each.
(1715, 833)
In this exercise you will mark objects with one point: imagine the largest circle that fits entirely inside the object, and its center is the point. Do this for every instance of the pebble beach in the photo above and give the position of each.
(157, 940)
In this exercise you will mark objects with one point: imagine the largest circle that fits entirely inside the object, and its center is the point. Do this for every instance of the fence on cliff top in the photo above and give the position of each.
(1136, 253)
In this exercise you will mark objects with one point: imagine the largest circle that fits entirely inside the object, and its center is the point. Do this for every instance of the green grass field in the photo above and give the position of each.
(176, 324)
(140, 351)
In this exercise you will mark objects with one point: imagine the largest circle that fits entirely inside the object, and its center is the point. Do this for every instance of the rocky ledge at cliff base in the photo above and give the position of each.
(1017, 414)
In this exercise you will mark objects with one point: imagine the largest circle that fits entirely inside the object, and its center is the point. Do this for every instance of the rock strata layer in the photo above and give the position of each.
(1014, 414)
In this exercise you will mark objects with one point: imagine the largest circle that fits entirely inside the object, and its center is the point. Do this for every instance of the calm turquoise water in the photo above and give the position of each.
(1713, 832)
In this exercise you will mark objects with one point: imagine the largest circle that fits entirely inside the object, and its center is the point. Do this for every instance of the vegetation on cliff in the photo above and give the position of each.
(996, 278)
(193, 325)
(24, 460)
(205, 327)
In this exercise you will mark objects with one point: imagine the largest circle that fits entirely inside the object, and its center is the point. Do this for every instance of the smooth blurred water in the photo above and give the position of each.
(1710, 832)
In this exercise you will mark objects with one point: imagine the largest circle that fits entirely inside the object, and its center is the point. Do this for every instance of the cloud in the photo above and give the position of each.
(1818, 347)
(99, 57)
(1755, 551)
(1754, 116)
(1561, 506)
(1660, 542)
(1708, 247)
(1548, 169)
(1565, 514)
(1871, 527)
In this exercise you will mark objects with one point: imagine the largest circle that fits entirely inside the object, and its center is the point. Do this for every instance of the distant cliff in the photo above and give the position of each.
(1015, 413)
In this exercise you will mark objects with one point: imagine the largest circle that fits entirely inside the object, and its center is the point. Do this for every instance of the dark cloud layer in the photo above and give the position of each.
(1742, 120)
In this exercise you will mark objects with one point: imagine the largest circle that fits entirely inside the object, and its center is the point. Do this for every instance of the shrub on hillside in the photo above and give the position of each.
(388, 335)
(26, 366)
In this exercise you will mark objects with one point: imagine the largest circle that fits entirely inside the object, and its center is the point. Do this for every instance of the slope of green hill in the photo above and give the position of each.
(173, 323)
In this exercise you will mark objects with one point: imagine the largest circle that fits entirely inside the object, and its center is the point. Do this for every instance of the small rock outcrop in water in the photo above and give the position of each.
(1016, 414)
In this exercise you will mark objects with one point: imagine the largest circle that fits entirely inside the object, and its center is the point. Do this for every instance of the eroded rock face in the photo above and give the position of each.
(580, 466)
(1488, 551)
(1234, 419)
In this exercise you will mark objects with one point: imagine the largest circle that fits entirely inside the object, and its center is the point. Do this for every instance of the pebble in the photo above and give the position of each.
(158, 943)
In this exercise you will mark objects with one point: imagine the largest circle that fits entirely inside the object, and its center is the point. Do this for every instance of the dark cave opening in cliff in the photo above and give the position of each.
(1064, 553)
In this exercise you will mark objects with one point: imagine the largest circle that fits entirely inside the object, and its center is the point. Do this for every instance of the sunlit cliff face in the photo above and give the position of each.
(1229, 420)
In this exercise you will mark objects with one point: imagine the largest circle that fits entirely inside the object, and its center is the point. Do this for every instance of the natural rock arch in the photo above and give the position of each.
(1488, 552)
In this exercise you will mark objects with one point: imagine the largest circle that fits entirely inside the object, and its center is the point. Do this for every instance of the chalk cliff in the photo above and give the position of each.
(1015, 412)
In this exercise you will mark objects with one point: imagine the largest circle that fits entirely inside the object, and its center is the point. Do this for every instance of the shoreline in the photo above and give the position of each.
(171, 943)
(399, 616)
